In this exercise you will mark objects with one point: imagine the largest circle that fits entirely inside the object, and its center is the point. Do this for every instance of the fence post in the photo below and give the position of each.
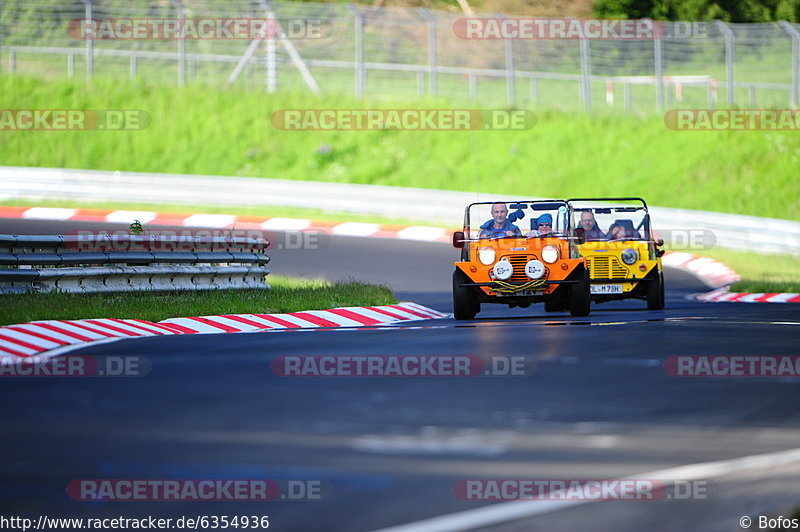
(432, 50)
(534, 89)
(12, 61)
(271, 59)
(88, 37)
(788, 28)
(181, 44)
(358, 21)
(726, 31)
(133, 66)
(70, 65)
(658, 55)
(511, 80)
(586, 73)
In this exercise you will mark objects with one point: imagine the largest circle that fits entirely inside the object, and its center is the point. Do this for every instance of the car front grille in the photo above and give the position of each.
(606, 268)
(519, 262)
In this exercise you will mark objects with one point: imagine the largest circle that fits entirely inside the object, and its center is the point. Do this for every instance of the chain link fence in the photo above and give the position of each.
(405, 53)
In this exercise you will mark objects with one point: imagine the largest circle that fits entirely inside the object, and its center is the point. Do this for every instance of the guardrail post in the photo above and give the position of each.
(473, 86)
(726, 31)
(627, 92)
(788, 28)
(88, 35)
(181, 44)
(658, 56)
(433, 58)
(358, 45)
(586, 74)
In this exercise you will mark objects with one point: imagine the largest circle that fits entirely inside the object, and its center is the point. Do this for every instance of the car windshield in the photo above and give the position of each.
(517, 219)
(611, 220)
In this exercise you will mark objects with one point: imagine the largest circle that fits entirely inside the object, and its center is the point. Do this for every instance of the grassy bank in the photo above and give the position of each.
(287, 295)
(228, 132)
(760, 272)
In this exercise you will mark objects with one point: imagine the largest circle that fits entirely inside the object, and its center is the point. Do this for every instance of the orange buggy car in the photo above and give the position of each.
(506, 261)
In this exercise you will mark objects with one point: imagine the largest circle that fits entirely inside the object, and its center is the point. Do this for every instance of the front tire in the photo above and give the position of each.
(465, 305)
(580, 298)
(655, 293)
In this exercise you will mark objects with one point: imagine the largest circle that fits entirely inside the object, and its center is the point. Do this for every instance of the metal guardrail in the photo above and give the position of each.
(95, 263)
(439, 207)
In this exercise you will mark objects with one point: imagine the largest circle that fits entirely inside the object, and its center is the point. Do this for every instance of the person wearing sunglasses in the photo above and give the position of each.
(544, 226)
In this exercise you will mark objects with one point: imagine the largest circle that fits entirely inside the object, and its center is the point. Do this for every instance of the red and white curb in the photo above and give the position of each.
(54, 337)
(722, 295)
(230, 221)
(720, 276)
(714, 273)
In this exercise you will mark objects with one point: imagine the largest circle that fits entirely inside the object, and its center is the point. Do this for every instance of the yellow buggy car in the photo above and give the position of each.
(615, 235)
(516, 254)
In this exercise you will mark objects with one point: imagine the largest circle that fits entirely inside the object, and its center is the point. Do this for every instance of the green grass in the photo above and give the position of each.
(760, 272)
(228, 132)
(287, 295)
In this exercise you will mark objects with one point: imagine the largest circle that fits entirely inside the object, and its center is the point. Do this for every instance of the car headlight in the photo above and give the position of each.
(629, 256)
(534, 269)
(486, 256)
(549, 254)
(503, 270)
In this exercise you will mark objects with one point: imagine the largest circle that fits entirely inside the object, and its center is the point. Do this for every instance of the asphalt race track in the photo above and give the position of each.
(596, 403)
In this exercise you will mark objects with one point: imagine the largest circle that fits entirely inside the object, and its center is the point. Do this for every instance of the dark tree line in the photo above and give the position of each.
(727, 10)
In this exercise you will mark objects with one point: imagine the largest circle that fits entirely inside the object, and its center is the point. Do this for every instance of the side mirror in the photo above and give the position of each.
(458, 239)
(660, 252)
(580, 234)
(660, 242)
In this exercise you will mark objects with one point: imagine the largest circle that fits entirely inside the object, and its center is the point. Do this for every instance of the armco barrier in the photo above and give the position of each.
(71, 263)
(443, 207)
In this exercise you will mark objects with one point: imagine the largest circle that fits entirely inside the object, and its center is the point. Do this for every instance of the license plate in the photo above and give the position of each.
(517, 294)
(606, 289)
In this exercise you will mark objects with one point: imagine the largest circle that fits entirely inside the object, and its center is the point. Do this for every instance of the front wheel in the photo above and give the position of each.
(580, 298)
(655, 293)
(465, 305)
